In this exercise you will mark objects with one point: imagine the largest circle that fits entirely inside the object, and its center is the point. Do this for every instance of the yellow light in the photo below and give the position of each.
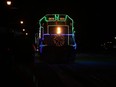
(58, 30)
(8, 2)
(51, 18)
(62, 18)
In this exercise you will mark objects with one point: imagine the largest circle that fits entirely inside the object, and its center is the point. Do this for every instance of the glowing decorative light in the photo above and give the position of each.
(26, 33)
(8, 2)
(58, 30)
(23, 29)
(21, 22)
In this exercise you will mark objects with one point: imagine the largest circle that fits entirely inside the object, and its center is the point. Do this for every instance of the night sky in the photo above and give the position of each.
(94, 20)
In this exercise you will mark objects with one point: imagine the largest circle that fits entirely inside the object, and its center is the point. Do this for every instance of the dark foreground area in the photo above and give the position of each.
(95, 70)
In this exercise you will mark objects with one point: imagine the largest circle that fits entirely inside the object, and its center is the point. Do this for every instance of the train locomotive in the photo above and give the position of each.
(56, 36)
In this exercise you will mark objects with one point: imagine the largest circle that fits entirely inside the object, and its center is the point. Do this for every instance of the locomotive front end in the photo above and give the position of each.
(56, 33)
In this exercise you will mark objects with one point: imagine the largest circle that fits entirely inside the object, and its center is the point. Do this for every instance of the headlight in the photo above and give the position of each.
(58, 30)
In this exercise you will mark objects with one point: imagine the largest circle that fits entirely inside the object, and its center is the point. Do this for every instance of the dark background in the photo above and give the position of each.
(94, 25)
(94, 20)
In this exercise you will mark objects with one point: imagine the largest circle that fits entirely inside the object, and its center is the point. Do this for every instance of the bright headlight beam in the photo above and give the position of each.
(58, 30)
(8, 2)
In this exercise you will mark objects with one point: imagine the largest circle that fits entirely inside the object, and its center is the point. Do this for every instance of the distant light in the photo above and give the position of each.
(23, 29)
(109, 42)
(21, 22)
(58, 30)
(8, 2)
(26, 33)
(37, 50)
(115, 38)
